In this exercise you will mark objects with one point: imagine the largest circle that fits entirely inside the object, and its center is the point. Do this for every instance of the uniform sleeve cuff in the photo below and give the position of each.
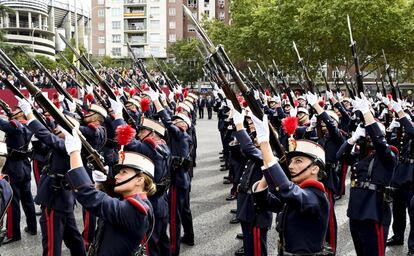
(77, 178)
(255, 185)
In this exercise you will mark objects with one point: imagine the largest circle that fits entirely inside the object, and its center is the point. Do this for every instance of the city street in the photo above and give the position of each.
(211, 212)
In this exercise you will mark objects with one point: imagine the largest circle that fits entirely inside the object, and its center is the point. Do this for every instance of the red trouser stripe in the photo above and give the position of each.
(331, 222)
(86, 229)
(36, 172)
(380, 237)
(256, 241)
(50, 231)
(10, 222)
(344, 171)
(173, 210)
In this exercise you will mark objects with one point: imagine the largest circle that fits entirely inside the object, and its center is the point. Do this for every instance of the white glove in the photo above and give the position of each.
(359, 132)
(60, 97)
(121, 91)
(313, 121)
(262, 128)
(98, 176)
(229, 104)
(293, 111)
(71, 106)
(311, 98)
(383, 113)
(180, 89)
(277, 99)
(72, 141)
(171, 96)
(379, 95)
(339, 96)
(329, 94)
(238, 118)
(394, 124)
(221, 92)
(361, 104)
(256, 94)
(24, 105)
(81, 93)
(89, 89)
(385, 100)
(215, 93)
(116, 106)
(163, 96)
(153, 95)
(396, 106)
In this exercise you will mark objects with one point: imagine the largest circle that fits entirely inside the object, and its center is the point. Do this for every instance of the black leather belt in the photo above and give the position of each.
(367, 185)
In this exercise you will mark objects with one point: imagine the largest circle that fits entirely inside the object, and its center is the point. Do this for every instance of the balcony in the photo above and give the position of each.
(134, 14)
(135, 28)
(137, 41)
(135, 2)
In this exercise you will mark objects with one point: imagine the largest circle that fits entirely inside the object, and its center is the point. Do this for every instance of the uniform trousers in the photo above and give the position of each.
(368, 237)
(254, 239)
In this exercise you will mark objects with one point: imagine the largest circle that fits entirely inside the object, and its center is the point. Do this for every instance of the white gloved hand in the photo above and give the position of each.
(359, 132)
(60, 97)
(339, 96)
(71, 105)
(180, 89)
(383, 113)
(293, 111)
(394, 124)
(72, 141)
(329, 94)
(215, 93)
(379, 95)
(98, 176)
(89, 89)
(311, 98)
(153, 95)
(116, 106)
(313, 121)
(238, 118)
(277, 99)
(229, 104)
(361, 104)
(262, 128)
(163, 97)
(171, 96)
(221, 92)
(81, 93)
(396, 106)
(256, 94)
(385, 100)
(24, 105)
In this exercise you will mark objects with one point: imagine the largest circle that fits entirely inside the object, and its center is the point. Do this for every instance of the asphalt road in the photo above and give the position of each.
(211, 212)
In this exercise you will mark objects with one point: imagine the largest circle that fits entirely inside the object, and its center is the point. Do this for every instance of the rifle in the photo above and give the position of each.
(266, 79)
(258, 84)
(6, 108)
(395, 90)
(377, 86)
(167, 79)
(55, 83)
(285, 84)
(219, 54)
(301, 62)
(384, 90)
(358, 74)
(87, 65)
(93, 156)
(324, 78)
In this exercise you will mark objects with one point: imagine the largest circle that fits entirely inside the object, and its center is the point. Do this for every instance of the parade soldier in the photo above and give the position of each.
(209, 106)
(368, 208)
(201, 102)
(18, 168)
(123, 224)
(57, 202)
(301, 203)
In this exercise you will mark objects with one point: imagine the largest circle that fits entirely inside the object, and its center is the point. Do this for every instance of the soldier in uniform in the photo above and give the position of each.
(201, 102)
(209, 105)
(301, 203)
(18, 168)
(57, 202)
(179, 143)
(368, 208)
(123, 224)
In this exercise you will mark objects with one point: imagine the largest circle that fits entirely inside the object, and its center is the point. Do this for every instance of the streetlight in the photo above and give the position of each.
(33, 30)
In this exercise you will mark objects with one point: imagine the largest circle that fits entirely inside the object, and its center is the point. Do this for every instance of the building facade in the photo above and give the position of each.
(35, 24)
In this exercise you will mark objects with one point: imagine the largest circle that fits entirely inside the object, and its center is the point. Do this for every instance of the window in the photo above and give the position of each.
(221, 2)
(116, 12)
(172, 25)
(192, 3)
(207, 12)
(155, 11)
(101, 39)
(171, 11)
(101, 2)
(155, 51)
(191, 28)
(116, 51)
(101, 26)
(155, 1)
(116, 24)
(101, 12)
(101, 52)
(155, 23)
(116, 38)
(155, 37)
(171, 1)
(172, 38)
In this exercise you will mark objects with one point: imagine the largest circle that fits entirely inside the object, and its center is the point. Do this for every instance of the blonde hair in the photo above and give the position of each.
(149, 186)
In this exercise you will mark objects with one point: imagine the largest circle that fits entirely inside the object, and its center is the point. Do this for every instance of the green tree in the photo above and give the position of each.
(188, 61)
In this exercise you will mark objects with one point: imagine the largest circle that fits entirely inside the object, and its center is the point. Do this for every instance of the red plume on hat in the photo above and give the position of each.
(73, 91)
(89, 97)
(55, 99)
(267, 92)
(177, 95)
(322, 102)
(185, 92)
(179, 109)
(284, 96)
(245, 104)
(145, 104)
(389, 96)
(296, 103)
(124, 134)
(116, 91)
(132, 92)
(290, 124)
